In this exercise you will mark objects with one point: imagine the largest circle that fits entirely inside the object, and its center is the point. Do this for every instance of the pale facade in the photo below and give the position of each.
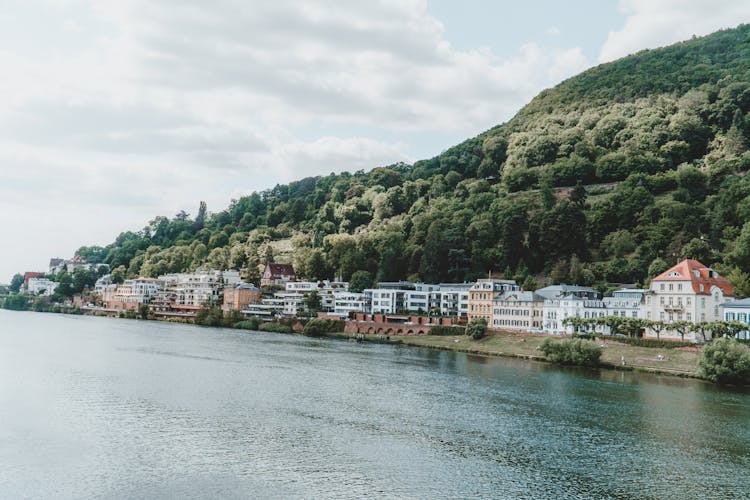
(41, 286)
(347, 302)
(482, 295)
(689, 291)
(738, 310)
(626, 303)
(567, 301)
(522, 311)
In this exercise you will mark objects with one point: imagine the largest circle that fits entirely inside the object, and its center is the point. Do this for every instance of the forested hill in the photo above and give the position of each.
(608, 177)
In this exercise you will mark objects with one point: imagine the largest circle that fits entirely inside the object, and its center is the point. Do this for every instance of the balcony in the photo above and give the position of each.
(674, 308)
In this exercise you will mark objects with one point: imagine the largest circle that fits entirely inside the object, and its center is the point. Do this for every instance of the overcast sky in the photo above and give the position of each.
(115, 111)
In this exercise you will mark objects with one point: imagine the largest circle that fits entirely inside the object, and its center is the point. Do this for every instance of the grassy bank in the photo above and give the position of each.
(681, 361)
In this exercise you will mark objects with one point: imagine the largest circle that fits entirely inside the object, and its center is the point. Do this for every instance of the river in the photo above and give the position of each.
(109, 408)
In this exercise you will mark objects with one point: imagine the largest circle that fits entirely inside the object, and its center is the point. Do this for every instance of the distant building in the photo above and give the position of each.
(189, 292)
(347, 302)
(239, 297)
(568, 301)
(482, 295)
(277, 274)
(626, 303)
(132, 293)
(29, 275)
(518, 310)
(738, 310)
(41, 286)
(688, 291)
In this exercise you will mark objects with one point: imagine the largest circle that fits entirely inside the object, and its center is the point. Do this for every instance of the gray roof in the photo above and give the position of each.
(737, 303)
(559, 291)
(520, 296)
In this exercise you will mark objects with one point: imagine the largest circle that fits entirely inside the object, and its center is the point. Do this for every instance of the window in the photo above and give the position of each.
(688, 301)
(679, 286)
(688, 317)
(661, 300)
(661, 316)
(661, 286)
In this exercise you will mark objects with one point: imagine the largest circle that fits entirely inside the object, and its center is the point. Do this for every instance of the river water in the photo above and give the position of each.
(106, 408)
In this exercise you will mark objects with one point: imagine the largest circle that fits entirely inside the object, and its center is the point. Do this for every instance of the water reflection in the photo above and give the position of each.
(97, 407)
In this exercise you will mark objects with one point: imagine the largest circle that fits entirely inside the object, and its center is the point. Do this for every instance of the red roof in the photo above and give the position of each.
(30, 274)
(698, 274)
(281, 269)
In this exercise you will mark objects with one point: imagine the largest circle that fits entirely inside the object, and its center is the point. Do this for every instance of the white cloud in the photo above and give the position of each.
(652, 24)
(114, 112)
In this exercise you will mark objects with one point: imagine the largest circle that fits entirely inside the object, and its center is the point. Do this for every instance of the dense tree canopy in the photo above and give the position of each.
(608, 177)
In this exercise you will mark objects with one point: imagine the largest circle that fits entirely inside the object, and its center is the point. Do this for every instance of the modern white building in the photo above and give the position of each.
(451, 299)
(347, 302)
(191, 291)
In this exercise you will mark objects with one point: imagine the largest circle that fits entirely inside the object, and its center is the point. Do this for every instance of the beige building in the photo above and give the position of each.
(482, 296)
(518, 310)
(689, 291)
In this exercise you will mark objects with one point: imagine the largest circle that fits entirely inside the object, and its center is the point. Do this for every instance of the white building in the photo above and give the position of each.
(566, 301)
(689, 291)
(347, 302)
(402, 296)
(326, 289)
(451, 299)
(738, 310)
(266, 308)
(41, 286)
(517, 310)
(626, 303)
(192, 291)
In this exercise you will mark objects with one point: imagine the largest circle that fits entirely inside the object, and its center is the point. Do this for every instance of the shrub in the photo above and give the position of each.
(476, 328)
(320, 326)
(571, 352)
(17, 303)
(661, 344)
(248, 324)
(725, 361)
(447, 330)
(275, 328)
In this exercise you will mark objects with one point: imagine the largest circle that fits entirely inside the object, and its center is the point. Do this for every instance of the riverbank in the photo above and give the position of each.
(680, 362)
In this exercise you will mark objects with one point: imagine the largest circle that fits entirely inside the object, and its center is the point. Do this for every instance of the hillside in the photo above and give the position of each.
(610, 176)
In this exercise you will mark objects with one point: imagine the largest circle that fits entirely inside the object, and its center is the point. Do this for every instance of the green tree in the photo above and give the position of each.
(571, 352)
(16, 282)
(477, 328)
(313, 301)
(359, 281)
(725, 361)
(657, 326)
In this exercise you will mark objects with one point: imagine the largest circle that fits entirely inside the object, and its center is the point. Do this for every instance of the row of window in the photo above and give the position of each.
(515, 312)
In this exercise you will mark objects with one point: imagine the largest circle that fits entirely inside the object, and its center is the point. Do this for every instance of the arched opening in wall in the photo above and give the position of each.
(400, 331)
(410, 332)
(389, 331)
(371, 330)
(380, 331)
(420, 332)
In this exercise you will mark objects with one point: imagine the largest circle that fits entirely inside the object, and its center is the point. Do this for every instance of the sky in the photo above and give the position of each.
(115, 111)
